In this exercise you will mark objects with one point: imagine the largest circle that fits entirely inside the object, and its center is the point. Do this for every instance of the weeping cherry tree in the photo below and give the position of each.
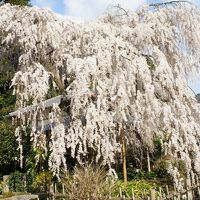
(123, 78)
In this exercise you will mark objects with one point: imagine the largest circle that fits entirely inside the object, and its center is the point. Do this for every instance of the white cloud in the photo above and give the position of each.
(85, 10)
(196, 2)
(50, 4)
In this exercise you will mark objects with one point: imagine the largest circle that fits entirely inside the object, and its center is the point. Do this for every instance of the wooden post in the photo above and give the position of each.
(174, 196)
(175, 192)
(25, 182)
(120, 192)
(52, 190)
(167, 190)
(192, 180)
(148, 161)
(110, 195)
(123, 142)
(63, 191)
(160, 192)
(198, 189)
(153, 195)
(178, 195)
(187, 193)
(133, 196)
(164, 196)
(188, 185)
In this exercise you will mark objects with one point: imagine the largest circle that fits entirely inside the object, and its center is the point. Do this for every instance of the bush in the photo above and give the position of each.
(43, 181)
(161, 168)
(7, 195)
(136, 174)
(1, 187)
(88, 183)
(141, 188)
(181, 166)
(17, 182)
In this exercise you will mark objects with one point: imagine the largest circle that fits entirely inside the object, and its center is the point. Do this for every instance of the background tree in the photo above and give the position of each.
(17, 2)
(8, 145)
(198, 98)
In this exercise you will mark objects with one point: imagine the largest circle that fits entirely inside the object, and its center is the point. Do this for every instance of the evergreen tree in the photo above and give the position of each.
(17, 2)
(8, 144)
(198, 97)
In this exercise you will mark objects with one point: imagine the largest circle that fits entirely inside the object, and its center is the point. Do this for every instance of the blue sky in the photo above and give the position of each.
(85, 10)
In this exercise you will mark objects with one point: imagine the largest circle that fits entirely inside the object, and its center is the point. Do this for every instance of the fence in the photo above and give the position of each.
(190, 192)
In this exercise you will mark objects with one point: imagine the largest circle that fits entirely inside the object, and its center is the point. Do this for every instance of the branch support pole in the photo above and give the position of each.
(148, 161)
(123, 142)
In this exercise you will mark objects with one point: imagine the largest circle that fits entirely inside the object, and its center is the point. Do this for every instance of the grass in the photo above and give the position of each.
(141, 188)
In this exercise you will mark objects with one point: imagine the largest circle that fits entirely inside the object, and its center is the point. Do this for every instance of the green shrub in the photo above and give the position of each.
(43, 181)
(17, 182)
(135, 174)
(1, 187)
(141, 188)
(161, 168)
(151, 175)
(7, 195)
(181, 166)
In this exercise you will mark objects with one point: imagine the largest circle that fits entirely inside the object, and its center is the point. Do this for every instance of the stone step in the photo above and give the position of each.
(23, 197)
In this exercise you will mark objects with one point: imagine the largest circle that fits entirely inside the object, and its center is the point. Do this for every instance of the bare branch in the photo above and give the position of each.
(118, 6)
(167, 3)
(192, 90)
